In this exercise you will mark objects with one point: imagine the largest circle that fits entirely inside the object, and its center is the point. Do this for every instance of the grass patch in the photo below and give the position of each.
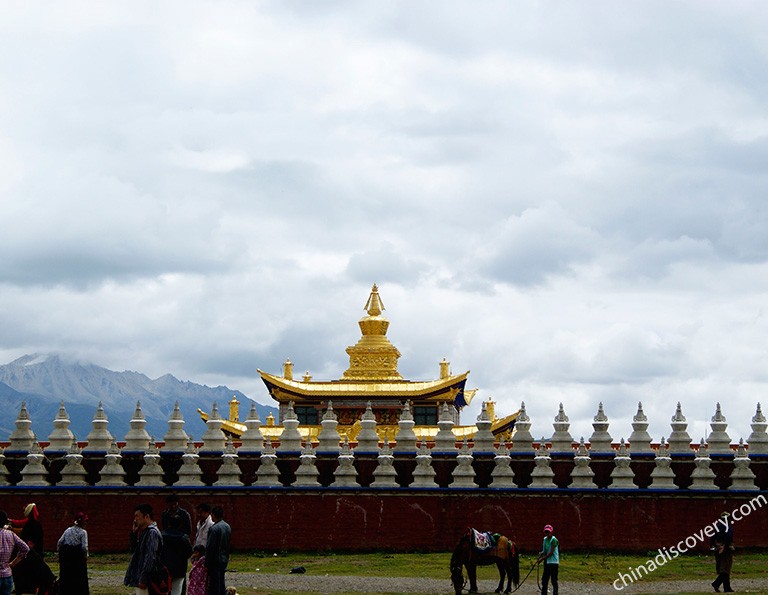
(582, 567)
(574, 566)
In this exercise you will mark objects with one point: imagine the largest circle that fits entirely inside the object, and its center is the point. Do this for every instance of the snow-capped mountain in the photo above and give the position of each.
(42, 381)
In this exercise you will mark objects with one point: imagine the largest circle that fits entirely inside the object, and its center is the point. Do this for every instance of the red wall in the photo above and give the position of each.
(319, 519)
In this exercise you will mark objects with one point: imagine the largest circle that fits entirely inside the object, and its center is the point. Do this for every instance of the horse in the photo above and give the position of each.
(504, 554)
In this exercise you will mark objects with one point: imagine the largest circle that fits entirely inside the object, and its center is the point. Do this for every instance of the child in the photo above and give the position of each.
(198, 575)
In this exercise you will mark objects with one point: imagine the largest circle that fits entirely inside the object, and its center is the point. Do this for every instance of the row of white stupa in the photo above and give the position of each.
(345, 474)
(100, 440)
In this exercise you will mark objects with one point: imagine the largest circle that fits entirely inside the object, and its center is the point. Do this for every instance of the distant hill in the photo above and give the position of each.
(42, 381)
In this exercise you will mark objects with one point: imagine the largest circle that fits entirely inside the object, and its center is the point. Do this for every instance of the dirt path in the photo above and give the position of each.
(418, 586)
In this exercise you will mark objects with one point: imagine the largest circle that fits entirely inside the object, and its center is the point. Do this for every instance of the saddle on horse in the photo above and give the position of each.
(490, 543)
(483, 541)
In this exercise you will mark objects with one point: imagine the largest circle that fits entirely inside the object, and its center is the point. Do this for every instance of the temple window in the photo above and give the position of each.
(307, 415)
(425, 416)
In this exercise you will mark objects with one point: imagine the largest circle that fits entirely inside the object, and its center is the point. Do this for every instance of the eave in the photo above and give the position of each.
(284, 390)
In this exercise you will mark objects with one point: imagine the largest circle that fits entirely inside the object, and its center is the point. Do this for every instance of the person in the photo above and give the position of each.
(176, 552)
(550, 555)
(30, 528)
(204, 523)
(217, 552)
(198, 575)
(722, 543)
(174, 509)
(147, 545)
(73, 558)
(9, 542)
(32, 572)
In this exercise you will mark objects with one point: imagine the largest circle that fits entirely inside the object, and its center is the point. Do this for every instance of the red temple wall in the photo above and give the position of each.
(404, 520)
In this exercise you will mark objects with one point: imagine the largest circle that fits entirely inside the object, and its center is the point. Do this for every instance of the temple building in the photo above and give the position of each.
(372, 377)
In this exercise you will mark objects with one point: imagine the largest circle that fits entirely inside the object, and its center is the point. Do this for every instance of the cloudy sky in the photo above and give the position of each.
(567, 199)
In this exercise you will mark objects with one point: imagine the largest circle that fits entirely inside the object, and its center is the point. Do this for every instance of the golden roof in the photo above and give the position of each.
(283, 389)
(372, 371)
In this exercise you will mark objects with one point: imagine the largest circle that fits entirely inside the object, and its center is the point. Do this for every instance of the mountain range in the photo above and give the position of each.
(43, 381)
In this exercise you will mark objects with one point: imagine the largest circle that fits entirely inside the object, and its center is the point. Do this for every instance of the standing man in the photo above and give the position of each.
(176, 553)
(204, 523)
(175, 510)
(147, 551)
(217, 552)
(550, 555)
(8, 542)
(722, 543)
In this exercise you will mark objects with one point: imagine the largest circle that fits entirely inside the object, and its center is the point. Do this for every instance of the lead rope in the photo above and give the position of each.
(520, 584)
(537, 577)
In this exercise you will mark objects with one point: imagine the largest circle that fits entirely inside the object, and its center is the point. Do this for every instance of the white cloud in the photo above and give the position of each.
(567, 201)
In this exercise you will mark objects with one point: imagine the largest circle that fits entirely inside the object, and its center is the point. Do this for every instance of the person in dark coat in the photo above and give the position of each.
(176, 552)
(73, 558)
(722, 543)
(147, 546)
(174, 509)
(32, 573)
(217, 552)
(30, 528)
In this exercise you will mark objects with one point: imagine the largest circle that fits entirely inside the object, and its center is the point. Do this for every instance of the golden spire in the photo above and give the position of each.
(373, 357)
(374, 306)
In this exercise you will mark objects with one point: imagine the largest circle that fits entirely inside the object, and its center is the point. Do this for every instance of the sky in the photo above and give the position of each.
(566, 199)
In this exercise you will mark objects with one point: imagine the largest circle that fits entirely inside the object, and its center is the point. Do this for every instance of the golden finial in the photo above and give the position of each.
(490, 407)
(374, 306)
(445, 368)
(234, 410)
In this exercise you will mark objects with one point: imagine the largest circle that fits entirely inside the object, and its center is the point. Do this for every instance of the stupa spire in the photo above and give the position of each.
(373, 357)
(374, 306)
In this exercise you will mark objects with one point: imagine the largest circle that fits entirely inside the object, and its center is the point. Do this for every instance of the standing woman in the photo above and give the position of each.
(73, 558)
(32, 572)
(30, 529)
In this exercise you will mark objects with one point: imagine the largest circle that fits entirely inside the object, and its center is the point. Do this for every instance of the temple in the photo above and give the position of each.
(372, 377)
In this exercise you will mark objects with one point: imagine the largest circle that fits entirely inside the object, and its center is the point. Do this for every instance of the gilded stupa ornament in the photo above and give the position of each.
(373, 357)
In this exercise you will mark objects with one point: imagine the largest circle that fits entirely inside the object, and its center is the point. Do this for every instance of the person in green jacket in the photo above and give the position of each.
(550, 555)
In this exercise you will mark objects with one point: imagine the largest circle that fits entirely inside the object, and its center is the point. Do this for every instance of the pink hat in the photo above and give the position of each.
(548, 528)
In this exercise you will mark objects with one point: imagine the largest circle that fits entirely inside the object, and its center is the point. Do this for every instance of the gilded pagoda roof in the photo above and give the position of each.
(372, 371)
(284, 389)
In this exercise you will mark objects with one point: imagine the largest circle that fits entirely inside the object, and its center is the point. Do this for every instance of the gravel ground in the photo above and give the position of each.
(423, 586)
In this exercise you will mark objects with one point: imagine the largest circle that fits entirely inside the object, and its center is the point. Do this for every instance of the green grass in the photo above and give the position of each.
(598, 567)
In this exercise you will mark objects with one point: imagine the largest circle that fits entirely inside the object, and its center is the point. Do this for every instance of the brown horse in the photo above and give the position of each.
(504, 555)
